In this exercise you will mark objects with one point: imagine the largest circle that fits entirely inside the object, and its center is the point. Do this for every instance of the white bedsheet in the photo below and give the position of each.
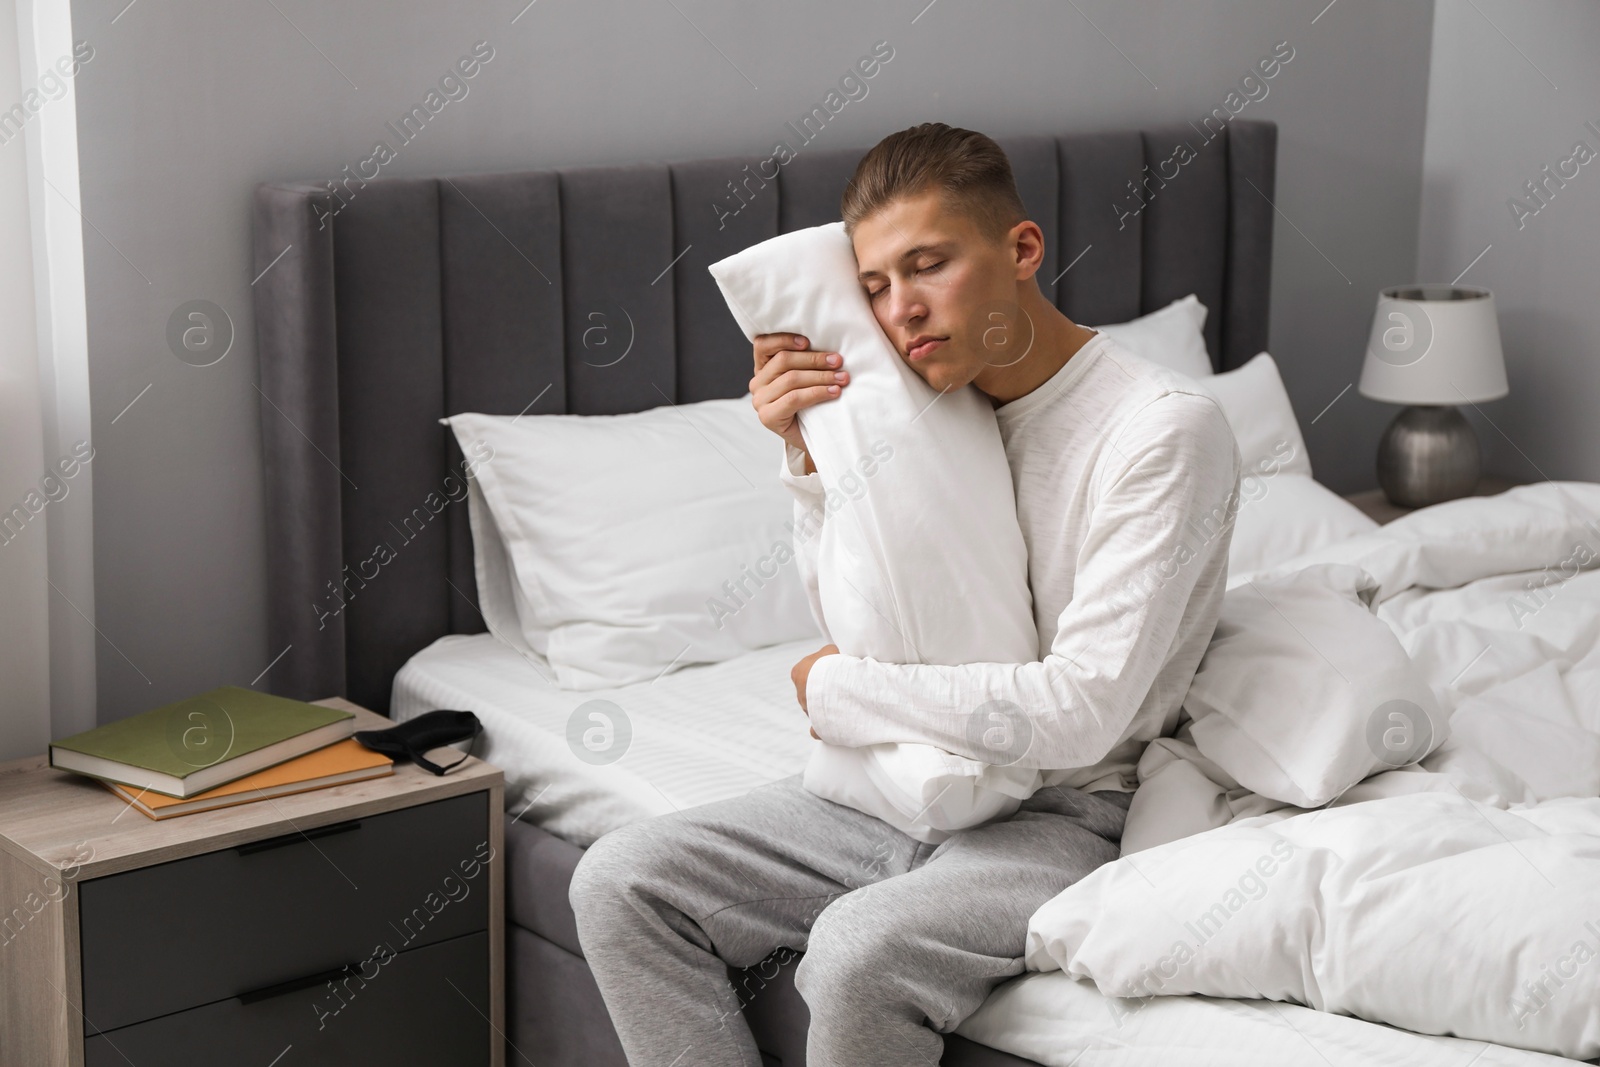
(700, 734)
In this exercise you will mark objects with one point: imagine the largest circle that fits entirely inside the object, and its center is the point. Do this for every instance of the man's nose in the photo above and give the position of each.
(907, 309)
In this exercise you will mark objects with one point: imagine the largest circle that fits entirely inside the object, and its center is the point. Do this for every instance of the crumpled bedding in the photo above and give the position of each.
(1458, 896)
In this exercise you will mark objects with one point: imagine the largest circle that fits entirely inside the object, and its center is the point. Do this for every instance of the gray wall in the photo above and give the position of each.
(188, 104)
(1513, 85)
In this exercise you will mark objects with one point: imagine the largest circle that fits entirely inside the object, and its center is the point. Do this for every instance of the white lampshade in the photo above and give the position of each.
(1434, 344)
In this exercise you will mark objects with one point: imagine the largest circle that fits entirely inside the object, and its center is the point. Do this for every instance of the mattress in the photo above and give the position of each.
(580, 764)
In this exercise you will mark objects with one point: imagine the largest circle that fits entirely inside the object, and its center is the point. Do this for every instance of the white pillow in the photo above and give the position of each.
(1297, 694)
(637, 543)
(1283, 514)
(924, 562)
(1257, 407)
(501, 599)
(1173, 337)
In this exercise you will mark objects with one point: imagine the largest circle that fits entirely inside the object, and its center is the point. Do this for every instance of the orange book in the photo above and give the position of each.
(338, 763)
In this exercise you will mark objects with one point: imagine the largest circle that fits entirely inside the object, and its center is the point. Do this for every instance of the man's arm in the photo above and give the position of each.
(1175, 467)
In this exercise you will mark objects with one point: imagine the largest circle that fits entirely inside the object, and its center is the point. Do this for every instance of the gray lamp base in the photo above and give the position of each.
(1429, 454)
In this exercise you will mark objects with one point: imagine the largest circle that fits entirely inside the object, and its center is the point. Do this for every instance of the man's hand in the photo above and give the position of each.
(789, 377)
(802, 672)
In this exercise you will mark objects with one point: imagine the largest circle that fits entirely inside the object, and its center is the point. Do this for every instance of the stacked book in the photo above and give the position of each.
(229, 746)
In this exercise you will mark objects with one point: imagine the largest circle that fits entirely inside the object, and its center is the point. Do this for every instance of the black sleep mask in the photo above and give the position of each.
(412, 740)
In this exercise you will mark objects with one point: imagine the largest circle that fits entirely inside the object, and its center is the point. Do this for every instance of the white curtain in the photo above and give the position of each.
(24, 559)
(47, 638)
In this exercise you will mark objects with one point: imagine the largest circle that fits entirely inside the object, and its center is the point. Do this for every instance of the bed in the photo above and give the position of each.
(426, 297)
(1521, 732)
(429, 297)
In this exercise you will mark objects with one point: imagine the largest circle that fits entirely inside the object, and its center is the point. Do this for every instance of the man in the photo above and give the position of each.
(1116, 464)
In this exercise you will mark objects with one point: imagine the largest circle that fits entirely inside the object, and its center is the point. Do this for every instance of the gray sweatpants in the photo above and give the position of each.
(902, 940)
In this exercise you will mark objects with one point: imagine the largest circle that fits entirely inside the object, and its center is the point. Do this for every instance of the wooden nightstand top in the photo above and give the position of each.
(1376, 506)
(50, 818)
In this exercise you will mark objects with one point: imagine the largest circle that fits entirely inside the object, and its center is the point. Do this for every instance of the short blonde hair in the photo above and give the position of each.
(969, 169)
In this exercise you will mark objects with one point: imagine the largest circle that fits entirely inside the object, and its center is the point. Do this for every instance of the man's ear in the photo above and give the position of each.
(1026, 241)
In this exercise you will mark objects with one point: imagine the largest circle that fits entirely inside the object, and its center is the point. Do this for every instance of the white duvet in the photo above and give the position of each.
(1459, 896)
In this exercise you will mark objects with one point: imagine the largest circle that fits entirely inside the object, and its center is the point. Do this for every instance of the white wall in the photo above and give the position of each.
(1512, 89)
(188, 104)
(24, 593)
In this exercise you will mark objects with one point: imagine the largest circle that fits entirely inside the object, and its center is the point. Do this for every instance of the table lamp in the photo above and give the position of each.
(1432, 347)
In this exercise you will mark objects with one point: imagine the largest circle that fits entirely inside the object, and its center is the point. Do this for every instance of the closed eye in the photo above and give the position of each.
(873, 294)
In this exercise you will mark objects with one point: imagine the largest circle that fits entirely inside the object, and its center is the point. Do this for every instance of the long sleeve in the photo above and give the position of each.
(809, 509)
(1156, 539)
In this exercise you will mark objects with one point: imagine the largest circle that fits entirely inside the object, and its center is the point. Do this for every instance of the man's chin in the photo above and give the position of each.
(941, 376)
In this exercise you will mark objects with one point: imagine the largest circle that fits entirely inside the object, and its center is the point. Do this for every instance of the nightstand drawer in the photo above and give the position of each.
(178, 935)
(402, 1011)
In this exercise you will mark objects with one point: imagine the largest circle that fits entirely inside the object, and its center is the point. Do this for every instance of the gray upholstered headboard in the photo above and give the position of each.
(393, 303)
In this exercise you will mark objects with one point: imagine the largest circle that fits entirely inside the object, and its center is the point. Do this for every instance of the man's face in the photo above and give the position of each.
(944, 291)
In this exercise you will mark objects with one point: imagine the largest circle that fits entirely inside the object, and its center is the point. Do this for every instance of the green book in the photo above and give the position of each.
(203, 742)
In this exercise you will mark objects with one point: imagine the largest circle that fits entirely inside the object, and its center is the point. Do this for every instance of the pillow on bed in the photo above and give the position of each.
(501, 600)
(1257, 407)
(1304, 691)
(1282, 511)
(923, 561)
(634, 544)
(1173, 337)
(1283, 514)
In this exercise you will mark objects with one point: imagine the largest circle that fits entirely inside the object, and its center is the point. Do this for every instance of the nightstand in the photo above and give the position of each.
(1376, 506)
(358, 924)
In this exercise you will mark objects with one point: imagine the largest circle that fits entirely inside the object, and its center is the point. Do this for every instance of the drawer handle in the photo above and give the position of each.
(295, 838)
(297, 984)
